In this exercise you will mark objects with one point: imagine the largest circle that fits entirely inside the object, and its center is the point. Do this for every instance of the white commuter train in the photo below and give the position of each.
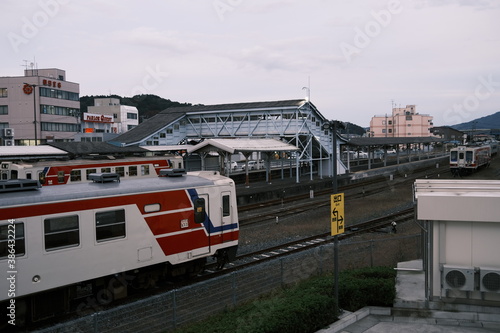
(64, 245)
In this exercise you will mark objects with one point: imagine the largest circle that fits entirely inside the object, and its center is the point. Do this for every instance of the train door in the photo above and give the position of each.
(226, 216)
(202, 216)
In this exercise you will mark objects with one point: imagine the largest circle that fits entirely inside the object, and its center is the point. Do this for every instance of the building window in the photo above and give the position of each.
(61, 232)
(169, 131)
(383, 130)
(60, 127)
(59, 94)
(409, 118)
(3, 92)
(390, 122)
(131, 115)
(110, 225)
(390, 130)
(59, 110)
(16, 230)
(162, 135)
(4, 109)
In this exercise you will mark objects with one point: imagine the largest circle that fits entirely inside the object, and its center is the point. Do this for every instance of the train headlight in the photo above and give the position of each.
(36, 278)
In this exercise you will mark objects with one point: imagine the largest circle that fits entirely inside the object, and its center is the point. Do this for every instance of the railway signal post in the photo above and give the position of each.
(336, 212)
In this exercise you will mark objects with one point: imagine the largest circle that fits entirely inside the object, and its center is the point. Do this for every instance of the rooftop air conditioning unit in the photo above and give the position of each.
(489, 280)
(8, 142)
(8, 132)
(458, 278)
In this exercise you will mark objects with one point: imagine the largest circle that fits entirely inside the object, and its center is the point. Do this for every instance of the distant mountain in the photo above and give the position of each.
(488, 122)
(147, 105)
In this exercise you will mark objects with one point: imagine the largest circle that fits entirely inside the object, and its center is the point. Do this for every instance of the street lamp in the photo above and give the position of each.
(32, 90)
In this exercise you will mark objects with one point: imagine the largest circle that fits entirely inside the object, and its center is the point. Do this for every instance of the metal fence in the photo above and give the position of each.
(165, 312)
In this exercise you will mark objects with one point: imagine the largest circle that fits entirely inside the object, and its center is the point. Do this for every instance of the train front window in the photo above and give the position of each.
(12, 239)
(453, 156)
(110, 225)
(61, 232)
(468, 155)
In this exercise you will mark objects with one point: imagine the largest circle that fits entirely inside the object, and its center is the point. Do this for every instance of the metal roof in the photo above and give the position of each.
(170, 115)
(86, 148)
(88, 190)
(45, 151)
(391, 141)
(235, 145)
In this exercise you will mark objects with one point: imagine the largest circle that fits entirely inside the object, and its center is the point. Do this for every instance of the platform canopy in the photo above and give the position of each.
(242, 145)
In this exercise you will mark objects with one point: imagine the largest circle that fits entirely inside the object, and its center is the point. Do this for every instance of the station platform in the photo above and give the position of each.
(260, 191)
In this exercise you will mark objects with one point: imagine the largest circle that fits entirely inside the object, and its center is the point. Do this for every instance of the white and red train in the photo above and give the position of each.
(77, 171)
(467, 159)
(91, 243)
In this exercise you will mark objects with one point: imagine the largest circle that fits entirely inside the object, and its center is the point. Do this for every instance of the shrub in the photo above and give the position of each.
(367, 286)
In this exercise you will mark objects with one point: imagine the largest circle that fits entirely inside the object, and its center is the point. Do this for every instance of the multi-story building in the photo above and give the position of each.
(404, 122)
(41, 106)
(106, 119)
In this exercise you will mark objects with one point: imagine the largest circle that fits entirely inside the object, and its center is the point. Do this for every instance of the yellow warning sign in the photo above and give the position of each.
(337, 216)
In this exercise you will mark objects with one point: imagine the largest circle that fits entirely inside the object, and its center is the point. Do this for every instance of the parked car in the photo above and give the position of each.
(233, 165)
(254, 165)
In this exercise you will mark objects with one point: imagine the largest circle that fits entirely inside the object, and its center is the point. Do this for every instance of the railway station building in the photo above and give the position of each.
(294, 122)
(41, 106)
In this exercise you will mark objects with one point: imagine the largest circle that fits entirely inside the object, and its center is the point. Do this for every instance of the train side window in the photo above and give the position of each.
(28, 175)
(110, 225)
(105, 169)
(226, 207)
(14, 233)
(76, 175)
(120, 171)
(199, 210)
(60, 177)
(89, 171)
(132, 170)
(41, 177)
(144, 170)
(61, 232)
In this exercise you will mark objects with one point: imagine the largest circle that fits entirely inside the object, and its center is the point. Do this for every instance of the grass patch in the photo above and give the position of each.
(306, 307)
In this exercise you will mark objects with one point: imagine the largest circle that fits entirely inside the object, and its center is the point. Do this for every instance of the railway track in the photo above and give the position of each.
(274, 209)
(288, 248)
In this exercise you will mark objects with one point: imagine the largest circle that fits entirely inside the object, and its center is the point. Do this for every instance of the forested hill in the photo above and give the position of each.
(148, 105)
(488, 122)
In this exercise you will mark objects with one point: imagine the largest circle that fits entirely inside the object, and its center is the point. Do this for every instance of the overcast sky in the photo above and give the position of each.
(358, 58)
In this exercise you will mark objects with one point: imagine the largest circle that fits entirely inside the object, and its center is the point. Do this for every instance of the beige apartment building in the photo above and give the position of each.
(39, 107)
(404, 122)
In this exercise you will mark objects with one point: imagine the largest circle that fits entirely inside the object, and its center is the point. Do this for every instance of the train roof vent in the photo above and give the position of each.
(172, 172)
(104, 177)
(19, 185)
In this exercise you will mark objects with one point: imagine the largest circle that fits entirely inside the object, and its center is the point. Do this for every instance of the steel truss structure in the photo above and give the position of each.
(296, 122)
